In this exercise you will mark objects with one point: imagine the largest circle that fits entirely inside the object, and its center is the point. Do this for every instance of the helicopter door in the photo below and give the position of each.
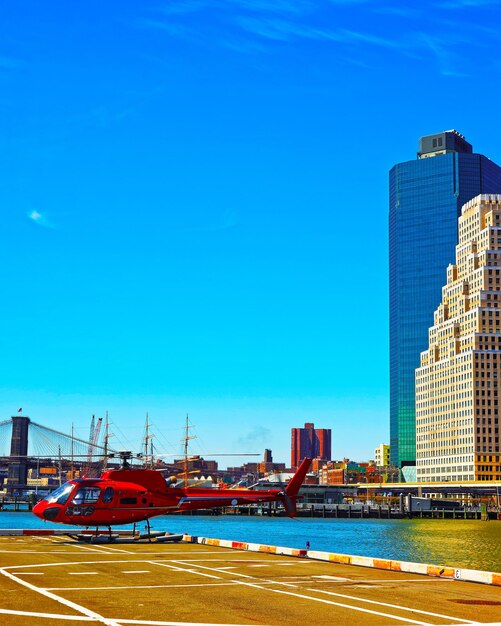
(83, 501)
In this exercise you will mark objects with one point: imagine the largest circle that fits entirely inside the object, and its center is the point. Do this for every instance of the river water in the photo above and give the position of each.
(460, 543)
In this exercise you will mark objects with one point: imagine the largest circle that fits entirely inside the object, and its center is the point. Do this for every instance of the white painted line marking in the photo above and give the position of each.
(166, 551)
(182, 569)
(83, 573)
(335, 578)
(259, 566)
(28, 573)
(53, 596)
(77, 618)
(253, 578)
(393, 606)
(344, 606)
(177, 586)
(230, 558)
(314, 599)
(152, 623)
(101, 561)
(68, 563)
(112, 549)
(206, 585)
(89, 549)
(136, 571)
(261, 581)
(226, 568)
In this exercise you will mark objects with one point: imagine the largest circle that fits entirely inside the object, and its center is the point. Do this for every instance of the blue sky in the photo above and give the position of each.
(194, 206)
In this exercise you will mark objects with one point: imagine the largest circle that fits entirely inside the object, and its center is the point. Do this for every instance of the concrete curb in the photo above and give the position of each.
(440, 571)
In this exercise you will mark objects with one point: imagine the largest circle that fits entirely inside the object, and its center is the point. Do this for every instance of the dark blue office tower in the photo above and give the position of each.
(426, 196)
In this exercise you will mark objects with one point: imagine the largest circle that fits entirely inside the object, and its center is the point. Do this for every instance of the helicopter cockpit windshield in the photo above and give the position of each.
(86, 495)
(60, 495)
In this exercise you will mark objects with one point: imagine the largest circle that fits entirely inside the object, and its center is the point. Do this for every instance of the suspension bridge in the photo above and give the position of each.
(39, 454)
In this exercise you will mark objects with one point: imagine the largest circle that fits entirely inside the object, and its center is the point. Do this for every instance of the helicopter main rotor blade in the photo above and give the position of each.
(193, 456)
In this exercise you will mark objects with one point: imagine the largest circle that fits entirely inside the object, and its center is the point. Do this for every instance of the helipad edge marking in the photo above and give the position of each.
(439, 571)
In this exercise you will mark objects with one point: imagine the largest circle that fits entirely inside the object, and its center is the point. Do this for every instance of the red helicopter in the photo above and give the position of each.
(127, 495)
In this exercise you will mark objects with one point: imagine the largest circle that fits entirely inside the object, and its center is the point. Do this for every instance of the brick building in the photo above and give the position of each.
(310, 442)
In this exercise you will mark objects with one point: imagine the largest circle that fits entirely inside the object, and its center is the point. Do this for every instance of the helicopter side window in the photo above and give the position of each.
(86, 495)
(128, 500)
(60, 495)
(108, 494)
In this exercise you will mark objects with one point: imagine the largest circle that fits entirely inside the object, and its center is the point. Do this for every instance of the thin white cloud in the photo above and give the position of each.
(281, 30)
(371, 39)
(446, 60)
(40, 219)
(258, 26)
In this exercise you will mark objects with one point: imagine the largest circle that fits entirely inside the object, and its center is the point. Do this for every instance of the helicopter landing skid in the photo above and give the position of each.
(156, 536)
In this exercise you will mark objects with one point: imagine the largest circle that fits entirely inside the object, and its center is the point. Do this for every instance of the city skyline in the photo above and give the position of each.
(193, 192)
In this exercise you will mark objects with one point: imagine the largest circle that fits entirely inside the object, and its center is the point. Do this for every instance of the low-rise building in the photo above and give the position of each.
(382, 455)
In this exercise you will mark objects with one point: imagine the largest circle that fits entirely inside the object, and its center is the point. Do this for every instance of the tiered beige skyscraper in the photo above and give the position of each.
(457, 388)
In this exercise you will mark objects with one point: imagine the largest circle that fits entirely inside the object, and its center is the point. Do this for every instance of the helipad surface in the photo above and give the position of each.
(53, 580)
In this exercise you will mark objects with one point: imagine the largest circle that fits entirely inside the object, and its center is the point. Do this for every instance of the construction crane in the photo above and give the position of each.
(95, 429)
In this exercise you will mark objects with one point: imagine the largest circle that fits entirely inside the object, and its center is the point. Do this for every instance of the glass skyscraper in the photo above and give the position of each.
(426, 196)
